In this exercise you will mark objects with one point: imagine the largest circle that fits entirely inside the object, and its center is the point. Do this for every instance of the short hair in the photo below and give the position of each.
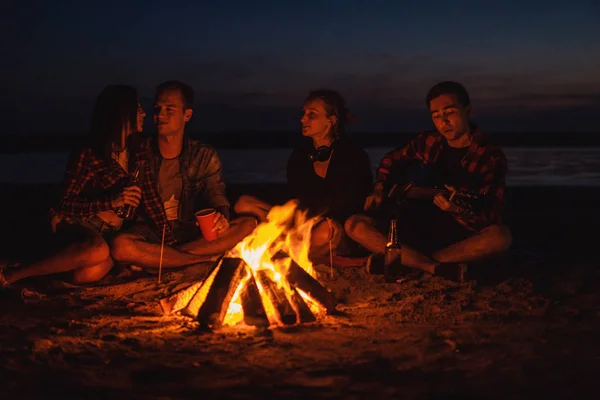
(449, 87)
(187, 93)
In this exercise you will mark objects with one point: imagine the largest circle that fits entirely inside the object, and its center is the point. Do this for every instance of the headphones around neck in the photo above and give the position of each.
(321, 154)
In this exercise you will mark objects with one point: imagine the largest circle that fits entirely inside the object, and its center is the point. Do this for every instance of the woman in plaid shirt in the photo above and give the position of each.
(96, 184)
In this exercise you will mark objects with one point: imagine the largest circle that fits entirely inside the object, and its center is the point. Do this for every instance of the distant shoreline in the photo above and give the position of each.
(52, 142)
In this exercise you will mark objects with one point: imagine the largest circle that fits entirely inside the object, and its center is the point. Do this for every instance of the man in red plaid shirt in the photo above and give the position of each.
(181, 176)
(440, 237)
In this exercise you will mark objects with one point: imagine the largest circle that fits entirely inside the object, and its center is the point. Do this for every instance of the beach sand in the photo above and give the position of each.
(525, 326)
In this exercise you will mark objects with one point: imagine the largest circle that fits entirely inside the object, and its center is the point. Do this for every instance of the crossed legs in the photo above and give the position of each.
(131, 248)
(492, 240)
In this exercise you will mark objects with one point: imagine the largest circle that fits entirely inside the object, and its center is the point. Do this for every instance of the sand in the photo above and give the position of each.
(523, 327)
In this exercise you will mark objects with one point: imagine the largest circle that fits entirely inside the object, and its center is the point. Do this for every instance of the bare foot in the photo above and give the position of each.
(5, 267)
(414, 259)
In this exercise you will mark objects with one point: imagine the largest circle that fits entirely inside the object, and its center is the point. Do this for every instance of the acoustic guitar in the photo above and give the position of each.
(414, 180)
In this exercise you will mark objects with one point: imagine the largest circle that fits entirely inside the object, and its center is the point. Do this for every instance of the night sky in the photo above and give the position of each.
(529, 65)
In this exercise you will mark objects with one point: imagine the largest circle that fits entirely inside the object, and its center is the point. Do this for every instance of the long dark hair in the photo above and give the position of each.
(335, 105)
(115, 112)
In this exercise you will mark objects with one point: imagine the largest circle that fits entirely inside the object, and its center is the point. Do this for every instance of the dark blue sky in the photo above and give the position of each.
(529, 65)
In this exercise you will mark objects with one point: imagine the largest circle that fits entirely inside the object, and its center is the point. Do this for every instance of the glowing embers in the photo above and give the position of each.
(267, 279)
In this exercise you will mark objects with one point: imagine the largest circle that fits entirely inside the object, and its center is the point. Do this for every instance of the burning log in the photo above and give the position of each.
(278, 309)
(193, 306)
(209, 301)
(303, 312)
(180, 299)
(229, 276)
(260, 285)
(254, 312)
(302, 280)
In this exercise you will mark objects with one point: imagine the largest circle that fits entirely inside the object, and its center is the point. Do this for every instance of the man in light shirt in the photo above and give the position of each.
(182, 177)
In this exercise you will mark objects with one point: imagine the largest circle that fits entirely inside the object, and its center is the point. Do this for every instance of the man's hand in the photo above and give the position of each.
(54, 221)
(445, 204)
(373, 200)
(220, 223)
(130, 195)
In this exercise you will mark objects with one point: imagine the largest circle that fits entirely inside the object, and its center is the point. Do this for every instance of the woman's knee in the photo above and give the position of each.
(95, 250)
(93, 273)
(326, 231)
(246, 225)
(248, 205)
(244, 203)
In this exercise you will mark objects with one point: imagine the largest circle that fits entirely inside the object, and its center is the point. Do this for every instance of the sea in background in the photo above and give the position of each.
(528, 166)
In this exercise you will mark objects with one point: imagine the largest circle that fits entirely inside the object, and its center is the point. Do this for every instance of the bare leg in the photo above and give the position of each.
(492, 240)
(252, 205)
(91, 255)
(129, 248)
(238, 229)
(92, 274)
(323, 233)
(362, 229)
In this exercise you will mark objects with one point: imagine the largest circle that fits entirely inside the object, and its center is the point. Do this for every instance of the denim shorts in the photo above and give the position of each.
(96, 224)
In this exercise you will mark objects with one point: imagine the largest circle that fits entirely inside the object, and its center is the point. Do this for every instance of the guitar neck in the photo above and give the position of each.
(423, 192)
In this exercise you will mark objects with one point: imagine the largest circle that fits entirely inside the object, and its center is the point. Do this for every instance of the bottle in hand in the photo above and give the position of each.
(127, 211)
(392, 258)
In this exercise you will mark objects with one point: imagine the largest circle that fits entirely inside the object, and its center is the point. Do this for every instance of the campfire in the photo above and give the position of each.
(266, 280)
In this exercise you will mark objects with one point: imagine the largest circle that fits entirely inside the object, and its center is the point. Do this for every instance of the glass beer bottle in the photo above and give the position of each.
(127, 211)
(392, 256)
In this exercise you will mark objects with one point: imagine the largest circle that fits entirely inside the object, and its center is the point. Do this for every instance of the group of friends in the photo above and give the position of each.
(327, 173)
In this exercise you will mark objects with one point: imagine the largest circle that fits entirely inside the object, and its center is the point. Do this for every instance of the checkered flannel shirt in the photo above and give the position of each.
(482, 158)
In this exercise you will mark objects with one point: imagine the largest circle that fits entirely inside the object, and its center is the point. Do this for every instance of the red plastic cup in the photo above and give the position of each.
(205, 219)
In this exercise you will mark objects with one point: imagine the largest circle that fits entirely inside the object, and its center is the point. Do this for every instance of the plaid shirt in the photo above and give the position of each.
(482, 159)
(90, 184)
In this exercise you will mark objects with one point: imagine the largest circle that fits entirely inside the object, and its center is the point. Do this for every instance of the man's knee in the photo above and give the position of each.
(499, 237)
(122, 246)
(243, 204)
(356, 224)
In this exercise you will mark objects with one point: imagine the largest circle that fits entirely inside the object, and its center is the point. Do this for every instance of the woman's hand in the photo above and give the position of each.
(130, 195)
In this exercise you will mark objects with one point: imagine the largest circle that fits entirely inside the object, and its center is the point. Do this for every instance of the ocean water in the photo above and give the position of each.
(569, 166)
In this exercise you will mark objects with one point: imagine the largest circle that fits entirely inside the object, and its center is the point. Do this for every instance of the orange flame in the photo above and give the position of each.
(284, 237)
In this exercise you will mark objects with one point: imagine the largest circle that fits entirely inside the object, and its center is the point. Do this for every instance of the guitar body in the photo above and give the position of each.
(413, 180)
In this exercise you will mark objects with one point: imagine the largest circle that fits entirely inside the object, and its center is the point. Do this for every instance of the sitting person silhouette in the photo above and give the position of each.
(183, 176)
(440, 236)
(96, 186)
(327, 173)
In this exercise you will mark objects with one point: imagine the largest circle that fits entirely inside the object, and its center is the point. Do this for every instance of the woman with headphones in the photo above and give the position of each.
(327, 173)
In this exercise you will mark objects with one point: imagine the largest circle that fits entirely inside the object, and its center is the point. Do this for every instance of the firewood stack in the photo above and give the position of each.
(233, 292)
